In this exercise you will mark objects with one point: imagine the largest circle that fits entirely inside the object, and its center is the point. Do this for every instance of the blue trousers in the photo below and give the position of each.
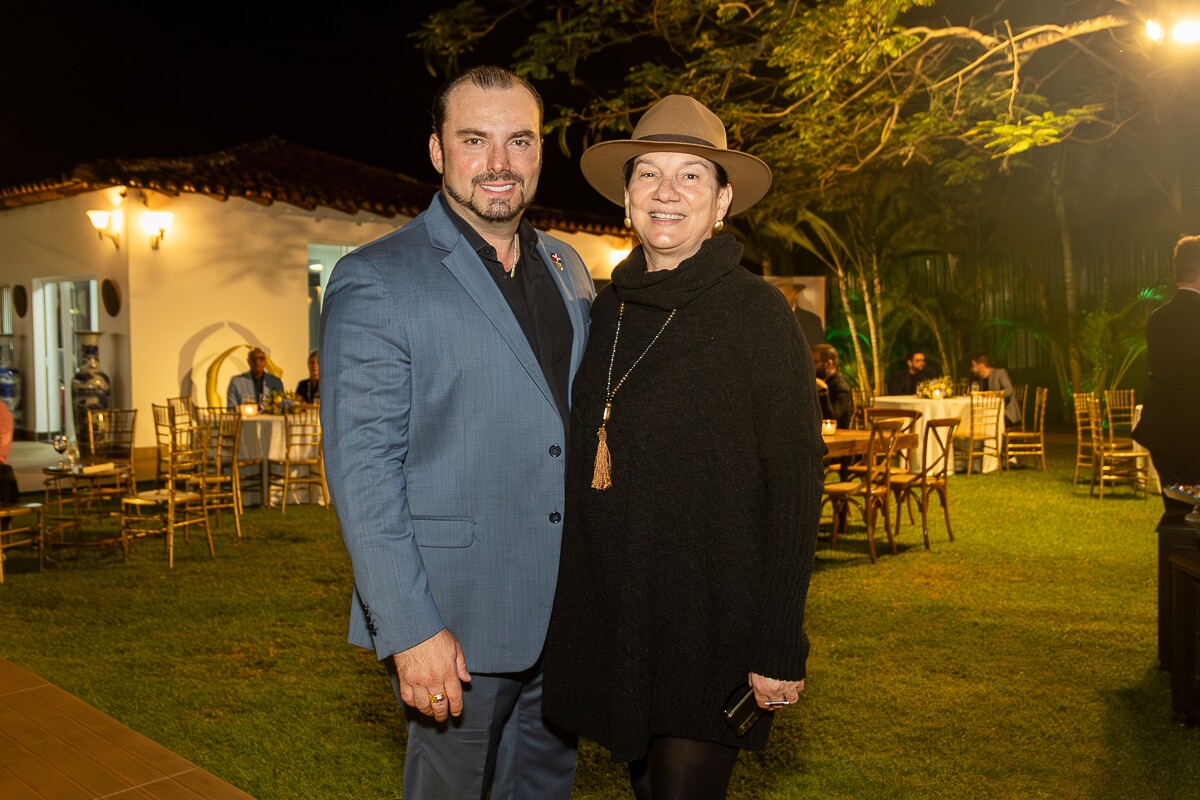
(500, 744)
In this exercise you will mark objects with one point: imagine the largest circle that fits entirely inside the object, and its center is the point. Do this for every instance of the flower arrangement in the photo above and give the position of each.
(935, 388)
(282, 402)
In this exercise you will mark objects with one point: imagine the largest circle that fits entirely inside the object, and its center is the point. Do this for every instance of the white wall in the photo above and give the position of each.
(225, 275)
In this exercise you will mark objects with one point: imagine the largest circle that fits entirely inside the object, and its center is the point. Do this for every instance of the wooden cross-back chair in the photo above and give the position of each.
(937, 451)
(871, 494)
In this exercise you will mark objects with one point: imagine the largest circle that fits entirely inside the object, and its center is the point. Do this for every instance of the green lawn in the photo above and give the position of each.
(1016, 662)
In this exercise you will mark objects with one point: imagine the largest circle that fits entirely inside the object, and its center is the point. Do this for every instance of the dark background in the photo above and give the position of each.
(180, 80)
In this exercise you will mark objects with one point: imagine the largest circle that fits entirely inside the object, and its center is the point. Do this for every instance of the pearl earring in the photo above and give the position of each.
(628, 222)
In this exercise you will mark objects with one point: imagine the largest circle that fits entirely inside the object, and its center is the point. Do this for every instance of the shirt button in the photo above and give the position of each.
(555, 450)
(555, 517)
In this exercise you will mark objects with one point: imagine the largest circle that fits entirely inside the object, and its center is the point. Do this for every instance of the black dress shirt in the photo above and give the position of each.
(535, 301)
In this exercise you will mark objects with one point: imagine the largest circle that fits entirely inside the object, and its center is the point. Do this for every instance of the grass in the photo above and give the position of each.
(1016, 662)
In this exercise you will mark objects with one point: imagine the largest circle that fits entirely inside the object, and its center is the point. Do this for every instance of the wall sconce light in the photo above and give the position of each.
(156, 223)
(106, 223)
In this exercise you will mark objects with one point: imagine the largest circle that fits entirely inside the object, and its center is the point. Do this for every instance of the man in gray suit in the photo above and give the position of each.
(995, 379)
(448, 348)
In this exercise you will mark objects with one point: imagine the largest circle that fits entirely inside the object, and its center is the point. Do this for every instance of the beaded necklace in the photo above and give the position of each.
(602, 474)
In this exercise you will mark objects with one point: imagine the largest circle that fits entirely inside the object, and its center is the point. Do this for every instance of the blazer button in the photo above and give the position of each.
(555, 517)
(555, 450)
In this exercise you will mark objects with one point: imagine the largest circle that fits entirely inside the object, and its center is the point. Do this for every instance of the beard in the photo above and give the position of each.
(493, 209)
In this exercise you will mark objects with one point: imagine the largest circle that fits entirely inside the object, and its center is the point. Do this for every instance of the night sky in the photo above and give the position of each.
(350, 82)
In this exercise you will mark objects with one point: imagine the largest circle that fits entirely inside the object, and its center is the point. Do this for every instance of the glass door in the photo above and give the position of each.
(61, 306)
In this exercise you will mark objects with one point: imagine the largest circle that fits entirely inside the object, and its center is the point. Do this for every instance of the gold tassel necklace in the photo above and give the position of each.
(602, 474)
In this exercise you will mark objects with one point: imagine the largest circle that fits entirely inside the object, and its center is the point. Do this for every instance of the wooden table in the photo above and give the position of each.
(854, 442)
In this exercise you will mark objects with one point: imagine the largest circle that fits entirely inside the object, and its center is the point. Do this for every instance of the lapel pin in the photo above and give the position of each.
(557, 259)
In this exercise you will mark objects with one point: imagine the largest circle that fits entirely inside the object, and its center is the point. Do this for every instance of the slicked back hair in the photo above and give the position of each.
(1187, 259)
(485, 77)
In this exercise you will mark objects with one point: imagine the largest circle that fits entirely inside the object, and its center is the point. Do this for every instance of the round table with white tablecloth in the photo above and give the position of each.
(264, 436)
(941, 408)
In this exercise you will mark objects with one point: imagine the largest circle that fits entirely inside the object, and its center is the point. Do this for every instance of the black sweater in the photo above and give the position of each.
(692, 570)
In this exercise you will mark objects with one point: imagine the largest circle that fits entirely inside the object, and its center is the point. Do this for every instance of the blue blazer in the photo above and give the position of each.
(241, 388)
(444, 449)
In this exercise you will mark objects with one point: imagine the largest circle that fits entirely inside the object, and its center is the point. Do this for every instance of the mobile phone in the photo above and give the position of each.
(741, 711)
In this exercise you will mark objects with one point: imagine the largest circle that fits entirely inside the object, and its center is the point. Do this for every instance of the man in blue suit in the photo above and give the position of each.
(255, 384)
(448, 348)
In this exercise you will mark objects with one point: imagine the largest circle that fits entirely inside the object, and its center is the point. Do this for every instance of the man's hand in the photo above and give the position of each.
(769, 690)
(431, 670)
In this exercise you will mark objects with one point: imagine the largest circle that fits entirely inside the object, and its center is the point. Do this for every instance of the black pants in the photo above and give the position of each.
(682, 769)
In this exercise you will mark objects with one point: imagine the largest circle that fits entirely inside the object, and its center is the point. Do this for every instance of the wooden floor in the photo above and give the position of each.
(54, 746)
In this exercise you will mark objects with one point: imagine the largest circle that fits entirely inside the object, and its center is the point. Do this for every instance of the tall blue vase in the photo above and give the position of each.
(10, 379)
(90, 388)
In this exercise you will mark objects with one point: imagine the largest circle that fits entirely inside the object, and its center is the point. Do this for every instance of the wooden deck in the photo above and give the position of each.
(54, 746)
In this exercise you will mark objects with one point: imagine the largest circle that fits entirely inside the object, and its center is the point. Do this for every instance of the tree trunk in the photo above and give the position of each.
(1070, 291)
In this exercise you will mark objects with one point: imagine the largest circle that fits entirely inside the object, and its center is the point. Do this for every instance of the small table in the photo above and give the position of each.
(69, 490)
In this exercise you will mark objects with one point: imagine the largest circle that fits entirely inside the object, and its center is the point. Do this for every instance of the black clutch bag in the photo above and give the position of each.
(741, 711)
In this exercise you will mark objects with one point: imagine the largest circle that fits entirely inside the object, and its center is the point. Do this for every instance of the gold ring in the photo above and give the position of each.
(437, 698)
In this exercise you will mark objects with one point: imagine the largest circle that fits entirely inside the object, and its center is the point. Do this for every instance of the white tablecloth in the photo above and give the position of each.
(1152, 483)
(941, 409)
(263, 437)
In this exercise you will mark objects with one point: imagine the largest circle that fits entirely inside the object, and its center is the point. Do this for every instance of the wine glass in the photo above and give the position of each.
(59, 443)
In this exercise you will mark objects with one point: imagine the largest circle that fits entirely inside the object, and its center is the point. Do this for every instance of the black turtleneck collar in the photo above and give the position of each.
(675, 288)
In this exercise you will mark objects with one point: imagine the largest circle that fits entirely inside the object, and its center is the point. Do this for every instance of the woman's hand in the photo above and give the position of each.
(769, 693)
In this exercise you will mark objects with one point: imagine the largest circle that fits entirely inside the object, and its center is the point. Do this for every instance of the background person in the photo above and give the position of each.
(1170, 425)
(309, 389)
(833, 390)
(686, 577)
(254, 385)
(905, 379)
(449, 346)
(810, 324)
(995, 379)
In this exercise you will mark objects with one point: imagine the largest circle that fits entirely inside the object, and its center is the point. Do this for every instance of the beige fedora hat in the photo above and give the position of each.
(677, 124)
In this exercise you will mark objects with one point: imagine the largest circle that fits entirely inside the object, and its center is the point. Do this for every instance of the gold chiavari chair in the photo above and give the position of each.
(22, 527)
(1116, 461)
(1031, 439)
(302, 462)
(1119, 408)
(218, 481)
(983, 429)
(1084, 402)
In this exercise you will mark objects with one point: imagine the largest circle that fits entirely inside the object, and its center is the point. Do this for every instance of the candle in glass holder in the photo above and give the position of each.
(249, 409)
(828, 427)
(937, 394)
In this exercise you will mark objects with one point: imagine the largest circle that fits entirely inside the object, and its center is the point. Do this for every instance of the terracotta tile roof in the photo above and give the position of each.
(270, 171)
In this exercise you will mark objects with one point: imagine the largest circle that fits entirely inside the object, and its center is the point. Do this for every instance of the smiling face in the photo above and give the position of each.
(673, 201)
(489, 154)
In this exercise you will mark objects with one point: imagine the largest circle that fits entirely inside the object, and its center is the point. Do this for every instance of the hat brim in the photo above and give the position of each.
(603, 167)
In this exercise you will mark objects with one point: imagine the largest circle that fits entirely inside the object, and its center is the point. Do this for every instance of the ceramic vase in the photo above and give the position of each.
(90, 387)
(10, 379)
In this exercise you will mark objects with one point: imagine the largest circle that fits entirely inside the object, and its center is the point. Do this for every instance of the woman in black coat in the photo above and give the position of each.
(694, 474)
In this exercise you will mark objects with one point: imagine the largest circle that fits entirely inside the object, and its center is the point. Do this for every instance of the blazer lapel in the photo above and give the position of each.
(468, 270)
(570, 296)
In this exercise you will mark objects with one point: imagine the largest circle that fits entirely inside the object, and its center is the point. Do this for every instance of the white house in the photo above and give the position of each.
(240, 257)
